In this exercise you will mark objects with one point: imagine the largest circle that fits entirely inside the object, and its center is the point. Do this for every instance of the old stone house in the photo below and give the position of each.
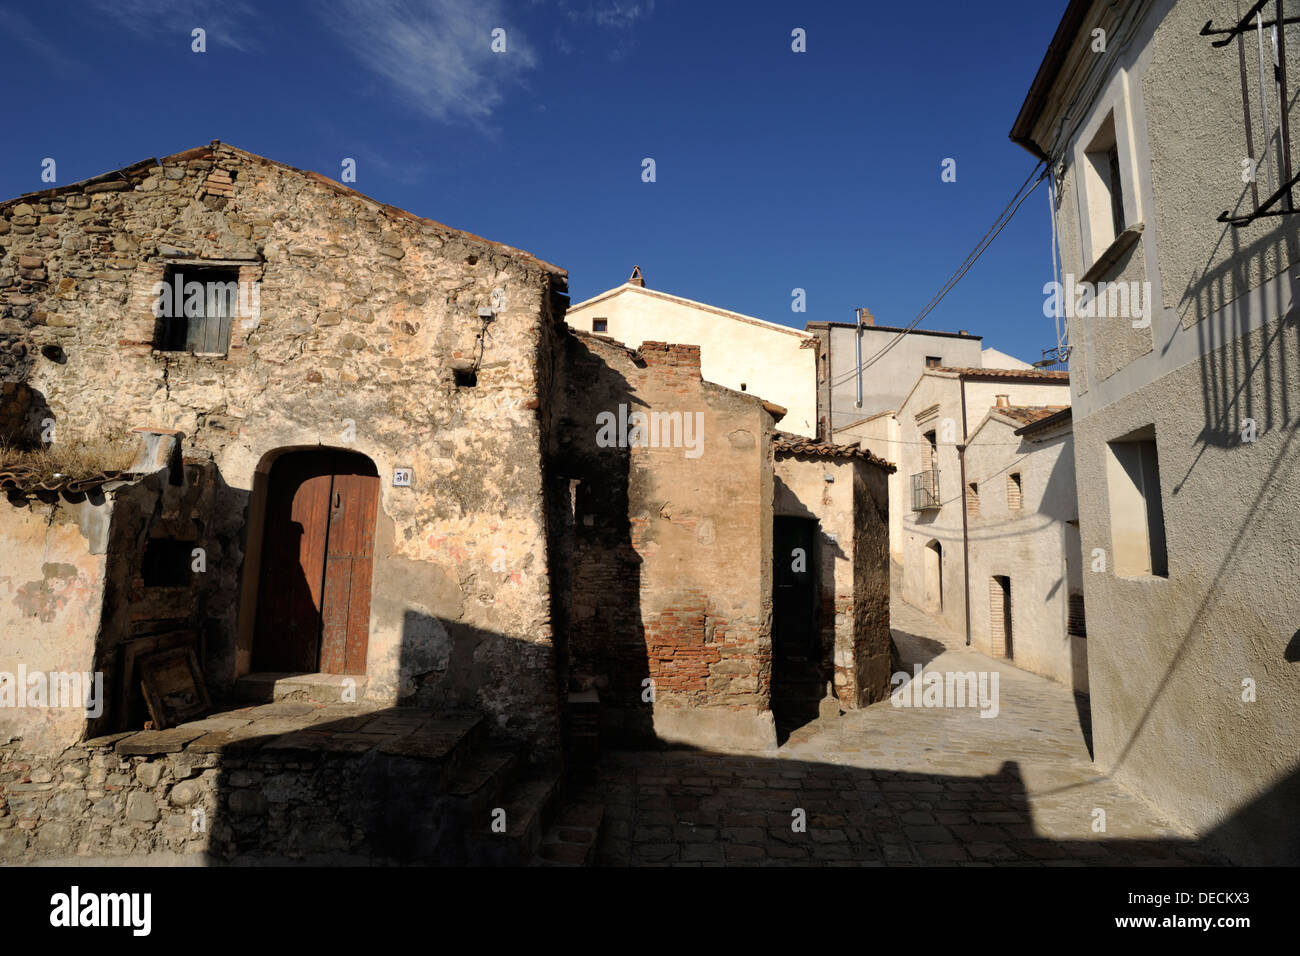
(432, 358)
(375, 463)
(1174, 180)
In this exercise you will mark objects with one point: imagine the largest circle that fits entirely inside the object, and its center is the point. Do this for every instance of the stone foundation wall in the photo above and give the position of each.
(91, 802)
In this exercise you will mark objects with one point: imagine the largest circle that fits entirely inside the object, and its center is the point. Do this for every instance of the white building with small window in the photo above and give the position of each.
(1168, 131)
(929, 439)
(775, 362)
(1022, 532)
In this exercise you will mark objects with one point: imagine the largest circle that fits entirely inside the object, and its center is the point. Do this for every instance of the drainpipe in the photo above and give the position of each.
(857, 347)
(965, 536)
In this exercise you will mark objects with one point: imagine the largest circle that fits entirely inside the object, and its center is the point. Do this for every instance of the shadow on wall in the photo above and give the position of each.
(596, 572)
(1232, 371)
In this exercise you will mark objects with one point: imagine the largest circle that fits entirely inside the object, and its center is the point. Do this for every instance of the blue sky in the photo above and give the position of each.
(775, 170)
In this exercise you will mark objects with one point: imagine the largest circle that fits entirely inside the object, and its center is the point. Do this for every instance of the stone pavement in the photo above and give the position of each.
(894, 785)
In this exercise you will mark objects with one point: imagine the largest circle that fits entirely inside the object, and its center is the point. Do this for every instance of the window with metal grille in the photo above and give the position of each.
(972, 499)
(200, 313)
(1014, 494)
(1076, 627)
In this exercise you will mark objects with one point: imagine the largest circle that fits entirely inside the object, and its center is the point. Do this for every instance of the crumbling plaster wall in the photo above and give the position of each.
(53, 566)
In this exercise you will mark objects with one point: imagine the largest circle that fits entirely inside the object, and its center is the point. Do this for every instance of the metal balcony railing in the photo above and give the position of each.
(925, 490)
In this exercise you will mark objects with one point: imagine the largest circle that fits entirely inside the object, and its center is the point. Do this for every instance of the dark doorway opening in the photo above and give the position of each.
(313, 605)
(798, 682)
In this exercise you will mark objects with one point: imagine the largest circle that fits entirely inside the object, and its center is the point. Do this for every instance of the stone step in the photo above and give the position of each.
(574, 838)
(529, 806)
(477, 785)
(269, 686)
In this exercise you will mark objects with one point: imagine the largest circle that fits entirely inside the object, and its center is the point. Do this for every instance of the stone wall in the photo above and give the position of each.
(671, 548)
(367, 315)
(264, 807)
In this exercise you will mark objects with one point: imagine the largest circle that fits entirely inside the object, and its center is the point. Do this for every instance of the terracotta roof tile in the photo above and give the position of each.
(789, 444)
(23, 480)
(1022, 374)
(1028, 414)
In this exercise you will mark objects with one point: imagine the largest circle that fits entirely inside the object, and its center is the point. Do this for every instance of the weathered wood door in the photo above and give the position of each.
(317, 554)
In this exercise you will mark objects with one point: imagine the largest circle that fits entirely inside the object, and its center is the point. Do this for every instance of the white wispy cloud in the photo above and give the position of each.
(231, 23)
(437, 54)
(611, 14)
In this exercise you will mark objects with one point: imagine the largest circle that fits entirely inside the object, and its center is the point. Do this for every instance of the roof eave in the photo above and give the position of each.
(1030, 110)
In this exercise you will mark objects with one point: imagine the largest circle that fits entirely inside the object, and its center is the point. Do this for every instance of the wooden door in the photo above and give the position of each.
(318, 544)
(348, 556)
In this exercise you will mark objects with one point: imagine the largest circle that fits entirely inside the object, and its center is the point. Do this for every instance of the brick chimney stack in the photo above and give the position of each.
(865, 317)
(636, 278)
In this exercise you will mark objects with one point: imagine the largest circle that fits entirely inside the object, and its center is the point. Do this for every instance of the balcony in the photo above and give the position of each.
(925, 490)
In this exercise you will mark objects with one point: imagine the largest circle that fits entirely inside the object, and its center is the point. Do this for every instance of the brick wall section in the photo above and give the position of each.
(671, 555)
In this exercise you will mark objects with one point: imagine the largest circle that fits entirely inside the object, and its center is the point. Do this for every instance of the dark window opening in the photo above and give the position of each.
(465, 377)
(196, 312)
(599, 325)
(1116, 195)
(933, 361)
(166, 563)
(1076, 626)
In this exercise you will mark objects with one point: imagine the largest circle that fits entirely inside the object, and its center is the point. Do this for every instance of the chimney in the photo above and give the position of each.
(636, 278)
(1004, 401)
(962, 332)
(670, 354)
(865, 317)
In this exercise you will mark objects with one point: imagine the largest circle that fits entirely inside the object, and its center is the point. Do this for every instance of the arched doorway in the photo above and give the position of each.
(934, 577)
(313, 604)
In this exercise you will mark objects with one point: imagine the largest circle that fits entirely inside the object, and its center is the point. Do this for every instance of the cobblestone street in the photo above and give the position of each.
(895, 786)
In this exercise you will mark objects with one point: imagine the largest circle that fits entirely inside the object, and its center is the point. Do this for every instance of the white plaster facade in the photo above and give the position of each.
(1029, 541)
(775, 362)
(1193, 658)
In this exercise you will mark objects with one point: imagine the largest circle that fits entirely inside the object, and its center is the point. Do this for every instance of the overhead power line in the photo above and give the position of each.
(1021, 194)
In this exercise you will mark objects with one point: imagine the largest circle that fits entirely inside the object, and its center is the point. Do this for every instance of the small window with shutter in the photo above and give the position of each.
(972, 499)
(197, 314)
(1014, 494)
